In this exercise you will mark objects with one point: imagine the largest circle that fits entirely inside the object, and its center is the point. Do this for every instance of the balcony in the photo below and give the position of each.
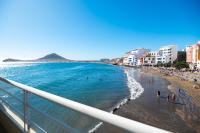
(23, 118)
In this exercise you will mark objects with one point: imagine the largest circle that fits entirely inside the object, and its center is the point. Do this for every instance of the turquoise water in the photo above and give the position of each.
(98, 85)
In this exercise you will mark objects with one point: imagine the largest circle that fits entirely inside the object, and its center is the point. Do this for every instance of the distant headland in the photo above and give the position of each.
(53, 57)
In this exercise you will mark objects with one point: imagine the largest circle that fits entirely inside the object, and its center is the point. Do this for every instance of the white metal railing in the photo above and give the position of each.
(118, 121)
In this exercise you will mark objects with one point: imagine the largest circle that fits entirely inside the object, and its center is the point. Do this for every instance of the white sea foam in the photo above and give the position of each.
(96, 127)
(5, 96)
(135, 89)
(15, 64)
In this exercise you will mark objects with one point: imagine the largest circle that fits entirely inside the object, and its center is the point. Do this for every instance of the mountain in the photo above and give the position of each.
(53, 57)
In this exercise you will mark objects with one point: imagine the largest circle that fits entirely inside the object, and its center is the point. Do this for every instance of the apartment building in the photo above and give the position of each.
(143, 56)
(166, 54)
(150, 58)
(193, 55)
(126, 59)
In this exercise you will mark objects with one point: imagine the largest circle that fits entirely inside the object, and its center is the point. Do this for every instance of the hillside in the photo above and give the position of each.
(53, 57)
(11, 60)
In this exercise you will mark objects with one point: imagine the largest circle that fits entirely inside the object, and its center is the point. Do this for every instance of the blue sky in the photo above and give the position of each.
(94, 29)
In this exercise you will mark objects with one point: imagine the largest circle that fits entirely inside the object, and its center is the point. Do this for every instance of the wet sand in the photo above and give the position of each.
(180, 116)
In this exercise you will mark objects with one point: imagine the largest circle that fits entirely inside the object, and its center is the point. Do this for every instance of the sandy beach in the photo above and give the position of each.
(183, 80)
(181, 115)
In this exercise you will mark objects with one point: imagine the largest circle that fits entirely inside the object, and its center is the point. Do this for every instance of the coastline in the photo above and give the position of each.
(177, 82)
(179, 116)
(135, 90)
(148, 108)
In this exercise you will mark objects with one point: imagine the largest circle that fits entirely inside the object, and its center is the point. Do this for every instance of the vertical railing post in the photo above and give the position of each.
(26, 113)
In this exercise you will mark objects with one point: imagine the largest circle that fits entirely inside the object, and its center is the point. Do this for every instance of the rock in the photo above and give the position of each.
(196, 87)
(114, 110)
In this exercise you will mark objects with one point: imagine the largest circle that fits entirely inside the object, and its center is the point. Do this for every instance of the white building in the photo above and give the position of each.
(167, 54)
(125, 59)
(133, 58)
(150, 59)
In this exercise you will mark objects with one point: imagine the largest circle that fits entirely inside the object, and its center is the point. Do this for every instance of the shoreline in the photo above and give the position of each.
(179, 116)
(150, 109)
(177, 82)
(135, 90)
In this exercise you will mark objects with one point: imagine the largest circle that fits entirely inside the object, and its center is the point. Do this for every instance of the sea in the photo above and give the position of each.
(102, 86)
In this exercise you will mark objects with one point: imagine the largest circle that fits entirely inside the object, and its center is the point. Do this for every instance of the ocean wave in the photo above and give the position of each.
(5, 96)
(16, 64)
(96, 127)
(135, 89)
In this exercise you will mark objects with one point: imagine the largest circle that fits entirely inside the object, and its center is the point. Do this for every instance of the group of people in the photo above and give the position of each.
(169, 97)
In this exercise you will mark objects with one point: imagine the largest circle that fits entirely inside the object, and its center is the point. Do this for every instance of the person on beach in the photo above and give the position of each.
(179, 90)
(158, 93)
(173, 97)
(129, 98)
(168, 97)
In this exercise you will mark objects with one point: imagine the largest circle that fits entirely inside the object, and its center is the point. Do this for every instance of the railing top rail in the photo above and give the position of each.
(124, 123)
